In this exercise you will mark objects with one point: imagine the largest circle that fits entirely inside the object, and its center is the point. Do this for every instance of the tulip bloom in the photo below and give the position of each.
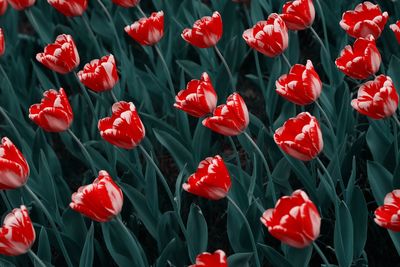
(21, 4)
(199, 97)
(61, 56)
(360, 61)
(365, 19)
(101, 201)
(54, 113)
(396, 30)
(298, 14)
(70, 8)
(268, 37)
(205, 33)
(295, 220)
(300, 137)
(126, 3)
(147, 31)
(100, 74)
(17, 234)
(2, 43)
(377, 99)
(216, 259)
(124, 128)
(3, 7)
(211, 180)
(388, 215)
(301, 86)
(14, 170)
(231, 118)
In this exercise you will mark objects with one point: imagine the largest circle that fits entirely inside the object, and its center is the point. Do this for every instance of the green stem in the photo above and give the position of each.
(328, 121)
(396, 119)
(9, 121)
(320, 41)
(52, 223)
(166, 69)
(5, 199)
(113, 96)
(36, 258)
(253, 243)
(266, 166)
(331, 182)
(286, 60)
(32, 20)
(87, 24)
(228, 70)
(86, 96)
(111, 22)
(321, 254)
(141, 11)
(84, 151)
(236, 155)
(323, 25)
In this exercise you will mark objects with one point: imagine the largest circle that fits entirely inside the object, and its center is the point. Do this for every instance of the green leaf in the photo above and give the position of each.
(359, 212)
(87, 252)
(273, 257)
(197, 230)
(44, 250)
(240, 260)
(344, 236)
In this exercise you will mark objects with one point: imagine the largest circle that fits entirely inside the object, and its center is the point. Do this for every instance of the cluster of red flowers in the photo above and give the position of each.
(295, 220)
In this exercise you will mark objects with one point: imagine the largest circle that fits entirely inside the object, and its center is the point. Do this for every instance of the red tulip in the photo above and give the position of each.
(211, 180)
(206, 32)
(231, 118)
(301, 86)
(396, 29)
(21, 4)
(217, 259)
(54, 113)
(14, 170)
(17, 234)
(61, 56)
(70, 8)
(377, 99)
(300, 137)
(124, 128)
(268, 37)
(126, 3)
(147, 31)
(3, 7)
(388, 215)
(295, 220)
(101, 201)
(100, 74)
(199, 97)
(365, 19)
(2, 43)
(298, 14)
(360, 61)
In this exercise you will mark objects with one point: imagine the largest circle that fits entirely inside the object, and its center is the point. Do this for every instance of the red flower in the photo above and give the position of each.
(21, 4)
(126, 3)
(268, 37)
(388, 215)
(295, 220)
(231, 118)
(3, 7)
(217, 259)
(101, 201)
(54, 113)
(211, 180)
(70, 8)
(124, 128)
(2, 43)
(147, 31)
(301, 86)
(17, 234)
(360, 61)
(377, 99)
(396, 29)
(14, 170)
(199, 97)
(300, 137)
(206, 32)
(61, 56)
(298, 14)
(100, 74)
(365, 19)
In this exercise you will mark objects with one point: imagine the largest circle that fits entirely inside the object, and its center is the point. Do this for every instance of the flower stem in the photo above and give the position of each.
(328, 174)
(321, 254)
(266, 166)
(323, 25)
(166, 69)
(286, 60)
(141, 10)
(115, 99)
(86, 96)
(87, 24)
(320, 41)
(228, 70)
(84, 151)
(396, 120)
(36, 258)
(52, 223)
(253, 243)
(328, 121)
(5, 199)
(111, 22)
